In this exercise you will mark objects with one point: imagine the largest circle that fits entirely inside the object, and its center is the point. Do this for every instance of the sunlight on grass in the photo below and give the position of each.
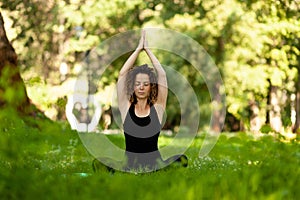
(40, 156)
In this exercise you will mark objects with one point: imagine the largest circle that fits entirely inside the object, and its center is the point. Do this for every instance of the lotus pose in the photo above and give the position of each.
(142, 95)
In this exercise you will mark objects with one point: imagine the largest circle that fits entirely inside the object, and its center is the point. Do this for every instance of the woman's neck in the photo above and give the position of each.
(142, 108)
(142, 104)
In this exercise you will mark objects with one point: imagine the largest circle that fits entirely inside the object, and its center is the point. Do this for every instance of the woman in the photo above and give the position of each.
(142, 97)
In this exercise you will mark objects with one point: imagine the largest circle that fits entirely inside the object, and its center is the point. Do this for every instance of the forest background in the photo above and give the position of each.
(255, 45)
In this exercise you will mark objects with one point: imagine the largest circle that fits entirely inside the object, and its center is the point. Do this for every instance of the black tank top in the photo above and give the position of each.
(141, 133)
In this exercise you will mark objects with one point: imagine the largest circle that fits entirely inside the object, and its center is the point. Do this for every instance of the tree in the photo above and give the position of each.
(280, 20)
(297, 107)
(254, 43)
(12, 88)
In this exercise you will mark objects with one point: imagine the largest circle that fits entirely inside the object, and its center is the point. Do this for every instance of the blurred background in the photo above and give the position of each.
(255, 44)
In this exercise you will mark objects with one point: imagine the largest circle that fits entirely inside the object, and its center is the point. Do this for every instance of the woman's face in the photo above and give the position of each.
(142, 86)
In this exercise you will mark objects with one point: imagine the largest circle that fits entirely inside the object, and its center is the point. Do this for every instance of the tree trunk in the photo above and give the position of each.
(255, 121)
(297, 106)
(218, 115)
(12, 88)
(275, 109)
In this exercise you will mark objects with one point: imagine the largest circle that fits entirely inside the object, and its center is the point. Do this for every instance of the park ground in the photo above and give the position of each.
(45, 159)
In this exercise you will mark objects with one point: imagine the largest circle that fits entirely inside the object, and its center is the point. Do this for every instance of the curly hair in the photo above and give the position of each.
(130, 79)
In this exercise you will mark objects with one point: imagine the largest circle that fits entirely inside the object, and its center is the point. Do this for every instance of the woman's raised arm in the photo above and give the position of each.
(162, 94)
(161, 76)
(123, 100)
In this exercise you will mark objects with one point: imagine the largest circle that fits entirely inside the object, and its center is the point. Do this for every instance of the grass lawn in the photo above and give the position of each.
(46, 160)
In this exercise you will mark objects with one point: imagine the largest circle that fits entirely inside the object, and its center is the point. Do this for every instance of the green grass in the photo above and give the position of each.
(44, 159)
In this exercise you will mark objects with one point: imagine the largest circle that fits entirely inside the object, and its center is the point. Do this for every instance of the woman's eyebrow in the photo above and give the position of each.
(142, 81)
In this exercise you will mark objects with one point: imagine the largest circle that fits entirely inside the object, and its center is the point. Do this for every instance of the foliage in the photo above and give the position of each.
(43, 158)
(254, 43)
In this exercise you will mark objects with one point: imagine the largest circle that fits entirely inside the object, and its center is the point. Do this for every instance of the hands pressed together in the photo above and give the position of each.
(143, 43)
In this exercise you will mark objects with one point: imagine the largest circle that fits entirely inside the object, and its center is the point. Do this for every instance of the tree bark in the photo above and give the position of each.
(297, 106)
(255, 121)
(218, 115)
(12, 88)
(275, 109)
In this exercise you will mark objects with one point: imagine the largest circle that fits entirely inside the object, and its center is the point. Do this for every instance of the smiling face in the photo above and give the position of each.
(142, 86)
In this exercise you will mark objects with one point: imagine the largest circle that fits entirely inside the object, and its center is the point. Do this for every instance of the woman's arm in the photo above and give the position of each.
(162, 95)
(123, 100)
(161, 77)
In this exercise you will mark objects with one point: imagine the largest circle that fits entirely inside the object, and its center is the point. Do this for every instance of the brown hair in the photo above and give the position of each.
(130, 79)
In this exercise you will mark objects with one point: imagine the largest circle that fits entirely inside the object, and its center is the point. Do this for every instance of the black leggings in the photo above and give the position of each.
(110, 165)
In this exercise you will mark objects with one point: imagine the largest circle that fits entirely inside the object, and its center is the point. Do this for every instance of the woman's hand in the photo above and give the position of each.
(140, 46)
(145, 45)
